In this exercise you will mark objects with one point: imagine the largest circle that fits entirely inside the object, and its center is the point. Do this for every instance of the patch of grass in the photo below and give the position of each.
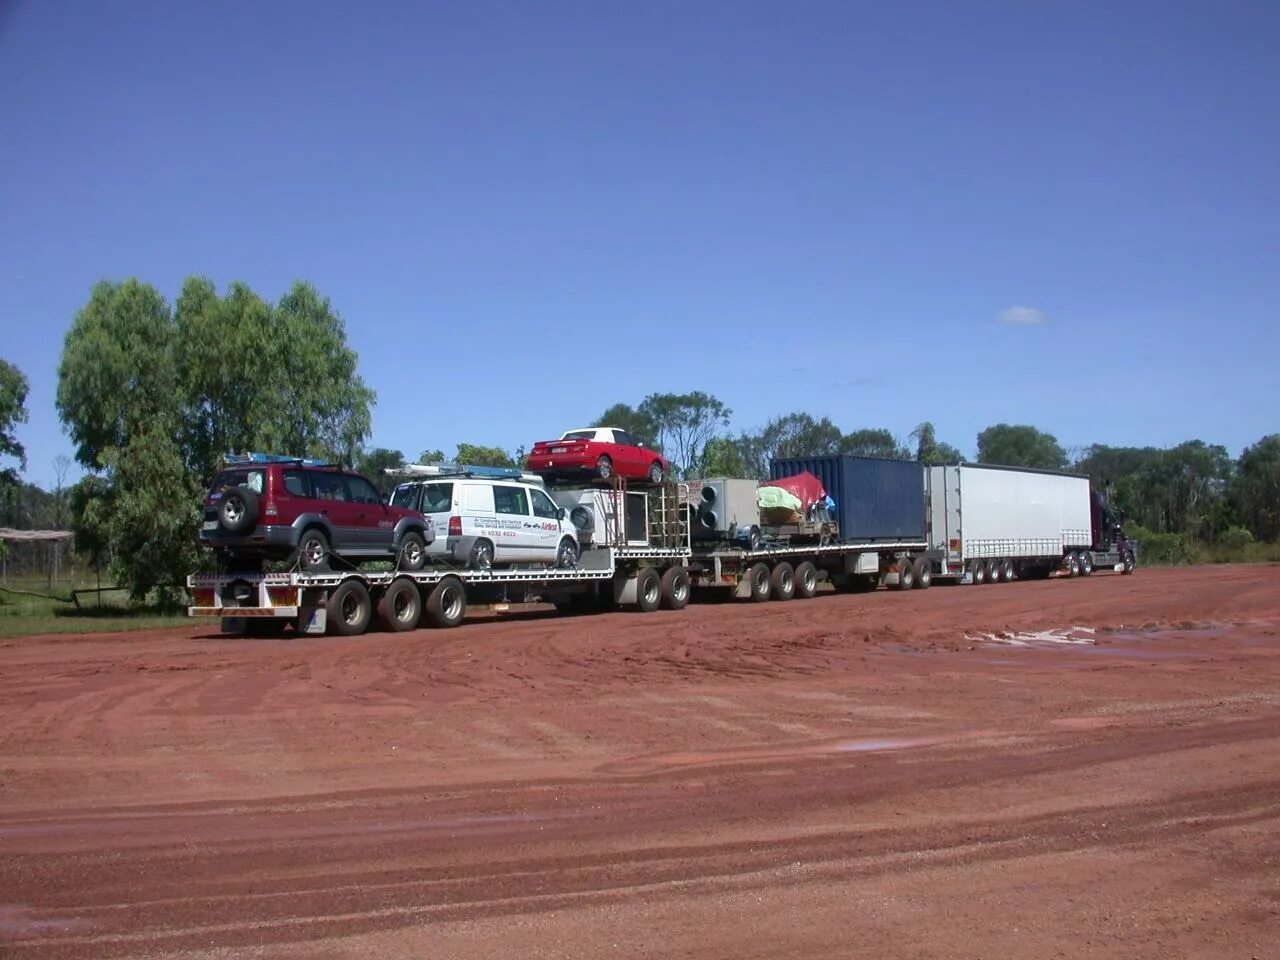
(1235, 553)
(22, 614)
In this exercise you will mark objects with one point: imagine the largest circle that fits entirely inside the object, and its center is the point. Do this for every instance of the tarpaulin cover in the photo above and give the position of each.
(775, 498)
(803, 485)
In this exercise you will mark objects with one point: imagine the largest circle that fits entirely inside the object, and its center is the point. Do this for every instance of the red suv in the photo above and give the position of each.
(271, 507)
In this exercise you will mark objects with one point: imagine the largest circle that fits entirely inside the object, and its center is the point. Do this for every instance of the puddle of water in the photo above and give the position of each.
(869, 746)
(20, 922)
(1083, 636)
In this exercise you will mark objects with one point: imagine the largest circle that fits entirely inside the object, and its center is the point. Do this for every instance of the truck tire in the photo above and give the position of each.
(922, 569)
(1073, 565)
(806, 580)
(1006, 571)
(648, 590)
(1086, 563)
(349, 608)
(1128, 563)
(978, 572)
(675, 588)
(400, 606)
(993, 571)
(906, 575)
(447, 603)
(782, 582)
(760, 579)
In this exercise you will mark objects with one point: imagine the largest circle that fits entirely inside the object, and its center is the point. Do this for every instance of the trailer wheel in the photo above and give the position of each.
(906, 576)
(648, 590)
(349, 609)
(447, 603)
(760, 579)
(1073, 565)
(782, 582)
(400, 606)
(993, 571)
(675, 588)
(1128, 563)
(806, 580)
(1086, 563)
(1006, 571)
(922, 569)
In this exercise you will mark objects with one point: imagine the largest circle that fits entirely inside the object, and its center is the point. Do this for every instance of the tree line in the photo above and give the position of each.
(152, 394)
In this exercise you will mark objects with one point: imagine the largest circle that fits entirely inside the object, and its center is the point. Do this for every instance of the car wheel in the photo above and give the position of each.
(313, 551)
(349, 609)
(413, 551)
(604, 468)
(238, 512)
(655, 473)
(567, 555)
(481, 555)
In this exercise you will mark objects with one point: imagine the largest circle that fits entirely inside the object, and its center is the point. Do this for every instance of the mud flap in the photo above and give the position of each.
(313, 617)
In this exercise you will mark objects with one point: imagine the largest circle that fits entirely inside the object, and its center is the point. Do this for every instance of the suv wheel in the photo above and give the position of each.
(238, 512)
(313, 550)
(413, 551)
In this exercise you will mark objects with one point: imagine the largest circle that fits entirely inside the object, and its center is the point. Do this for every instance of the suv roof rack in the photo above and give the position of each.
(248, 457)
(424, 470)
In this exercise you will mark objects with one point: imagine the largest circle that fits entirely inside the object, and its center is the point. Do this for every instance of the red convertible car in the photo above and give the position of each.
(599, 451)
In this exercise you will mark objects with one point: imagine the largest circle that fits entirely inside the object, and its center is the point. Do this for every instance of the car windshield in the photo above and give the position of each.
(579, 435)
(255, 480)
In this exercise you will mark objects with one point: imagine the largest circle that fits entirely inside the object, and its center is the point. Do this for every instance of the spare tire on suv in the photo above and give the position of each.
(238, 512)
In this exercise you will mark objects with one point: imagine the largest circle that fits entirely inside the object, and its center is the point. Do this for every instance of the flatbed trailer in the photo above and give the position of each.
(780, 572)
(348, 602)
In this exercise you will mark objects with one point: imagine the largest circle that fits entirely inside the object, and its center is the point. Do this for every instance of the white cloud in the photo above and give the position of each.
(1023, 317)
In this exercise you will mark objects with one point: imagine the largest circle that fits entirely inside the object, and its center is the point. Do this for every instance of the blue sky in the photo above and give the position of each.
(526, 212)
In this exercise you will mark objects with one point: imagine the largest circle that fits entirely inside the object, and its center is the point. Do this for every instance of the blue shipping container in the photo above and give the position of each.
(875, 499)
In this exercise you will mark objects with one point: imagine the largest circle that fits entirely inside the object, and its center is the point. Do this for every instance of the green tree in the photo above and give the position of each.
(430, 456)
(478, 456)
(684, 424)
(1013, 445)
(13, 411)
(930, 450)
(142, 388)
(258, 377)
(373, 464)
(637, 422)
(723, 457)
(1256, 488)
(870, 442)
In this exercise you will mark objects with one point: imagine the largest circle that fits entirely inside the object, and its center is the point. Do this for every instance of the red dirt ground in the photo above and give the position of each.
(889, 775)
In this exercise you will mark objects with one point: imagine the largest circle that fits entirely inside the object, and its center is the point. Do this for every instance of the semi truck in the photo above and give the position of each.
(896, 523)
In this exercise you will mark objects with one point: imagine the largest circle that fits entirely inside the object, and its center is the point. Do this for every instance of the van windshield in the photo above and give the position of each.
(406, 496)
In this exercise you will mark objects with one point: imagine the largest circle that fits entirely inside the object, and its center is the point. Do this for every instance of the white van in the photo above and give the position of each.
(481, 522)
